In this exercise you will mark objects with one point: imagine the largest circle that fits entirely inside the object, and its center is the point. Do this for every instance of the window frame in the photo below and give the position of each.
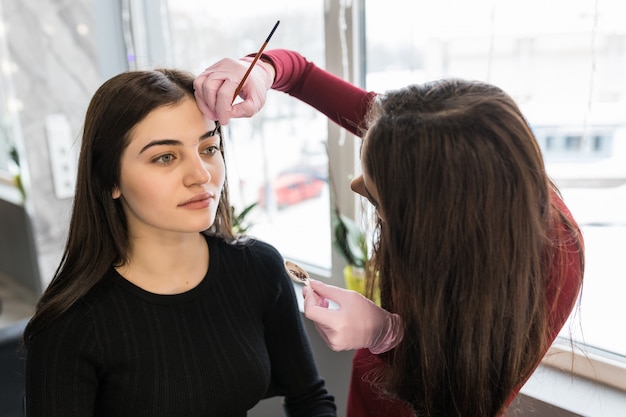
(346, 59)
(343, 21)
(577, 359)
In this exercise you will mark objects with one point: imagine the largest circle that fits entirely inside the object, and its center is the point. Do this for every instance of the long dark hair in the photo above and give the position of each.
(98, 238)
(464, 246)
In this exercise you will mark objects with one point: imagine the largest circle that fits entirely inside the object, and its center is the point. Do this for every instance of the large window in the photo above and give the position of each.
(277, 159)
(564, 63)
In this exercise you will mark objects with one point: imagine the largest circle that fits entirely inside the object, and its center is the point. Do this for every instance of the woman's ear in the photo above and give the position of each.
(116, 193)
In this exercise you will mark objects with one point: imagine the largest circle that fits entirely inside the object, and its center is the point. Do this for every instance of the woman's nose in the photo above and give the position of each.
(197, 172)
(358, 186)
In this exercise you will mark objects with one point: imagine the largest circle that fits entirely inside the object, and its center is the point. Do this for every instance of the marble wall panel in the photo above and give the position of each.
(53, 48)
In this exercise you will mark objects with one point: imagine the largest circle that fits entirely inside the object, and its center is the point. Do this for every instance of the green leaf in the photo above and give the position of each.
(239, 224)
(349, 240)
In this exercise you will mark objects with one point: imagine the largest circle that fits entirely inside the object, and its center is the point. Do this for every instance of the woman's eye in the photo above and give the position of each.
(211, 150)
(164, 159)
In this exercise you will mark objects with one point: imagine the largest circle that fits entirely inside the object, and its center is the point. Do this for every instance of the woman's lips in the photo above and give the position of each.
(199, 201)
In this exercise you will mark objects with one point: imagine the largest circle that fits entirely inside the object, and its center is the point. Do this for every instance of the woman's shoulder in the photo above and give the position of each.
(565, 230)
(68, 330)
(248, 247)
(566, 263)
(251, 259)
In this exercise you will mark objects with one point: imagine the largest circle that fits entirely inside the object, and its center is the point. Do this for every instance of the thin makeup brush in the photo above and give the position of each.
(256, 58)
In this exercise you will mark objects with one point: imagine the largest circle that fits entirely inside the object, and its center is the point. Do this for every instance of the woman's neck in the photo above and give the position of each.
(167, 265)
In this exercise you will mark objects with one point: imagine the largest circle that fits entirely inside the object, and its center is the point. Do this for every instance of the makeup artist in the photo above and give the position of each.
(479, 260)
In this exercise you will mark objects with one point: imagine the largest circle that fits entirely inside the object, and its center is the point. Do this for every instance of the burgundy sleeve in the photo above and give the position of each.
(364, 398)
(342, 102)
(565, 278)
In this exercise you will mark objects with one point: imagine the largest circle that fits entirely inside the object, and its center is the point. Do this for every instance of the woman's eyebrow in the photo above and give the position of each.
(175, 142)
(209, 134)
(212, 132)
(170, 142)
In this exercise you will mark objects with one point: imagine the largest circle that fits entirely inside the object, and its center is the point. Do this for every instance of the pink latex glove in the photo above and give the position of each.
(357, 323)
(214, 88)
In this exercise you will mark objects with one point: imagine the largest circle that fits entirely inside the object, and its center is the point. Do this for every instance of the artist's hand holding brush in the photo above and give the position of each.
(216, 86)
(216, 93)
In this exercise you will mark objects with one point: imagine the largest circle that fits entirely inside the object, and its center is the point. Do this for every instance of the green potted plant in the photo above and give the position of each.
(239, 223)
(349, 240)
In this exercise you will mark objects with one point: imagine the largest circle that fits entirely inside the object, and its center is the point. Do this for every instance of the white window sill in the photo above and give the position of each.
(583, 384)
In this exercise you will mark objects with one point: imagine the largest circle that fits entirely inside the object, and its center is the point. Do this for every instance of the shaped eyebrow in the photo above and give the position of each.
(176, 142)
(212, 132)
(172, 142)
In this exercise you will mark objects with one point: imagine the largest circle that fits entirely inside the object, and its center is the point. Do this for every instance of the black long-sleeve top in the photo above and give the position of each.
(215, 350)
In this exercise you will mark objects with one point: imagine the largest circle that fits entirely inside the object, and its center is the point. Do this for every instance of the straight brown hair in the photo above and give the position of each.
(98, 238)
(464, 249)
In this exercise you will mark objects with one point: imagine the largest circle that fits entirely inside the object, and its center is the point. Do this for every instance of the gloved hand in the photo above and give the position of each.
(215, 87)
(357, 323)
